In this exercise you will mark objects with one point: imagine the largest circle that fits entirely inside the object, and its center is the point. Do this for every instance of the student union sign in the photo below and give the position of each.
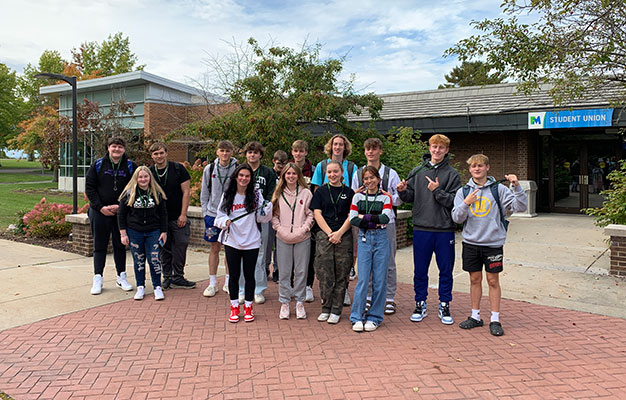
(570, 119)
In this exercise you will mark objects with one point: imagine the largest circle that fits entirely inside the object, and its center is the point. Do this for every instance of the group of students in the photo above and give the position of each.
(316, 221)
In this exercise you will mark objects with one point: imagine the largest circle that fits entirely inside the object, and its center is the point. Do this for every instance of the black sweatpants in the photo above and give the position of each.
(233, 258)
(102, 228)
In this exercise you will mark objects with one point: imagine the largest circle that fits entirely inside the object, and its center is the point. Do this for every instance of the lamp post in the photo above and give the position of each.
(72, 81)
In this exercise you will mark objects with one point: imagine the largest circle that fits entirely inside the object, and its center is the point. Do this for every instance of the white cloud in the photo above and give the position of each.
(391, 46)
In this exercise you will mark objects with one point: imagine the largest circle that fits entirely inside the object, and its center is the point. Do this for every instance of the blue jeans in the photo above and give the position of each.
(424, 244)
(373, 260)
(142, 244)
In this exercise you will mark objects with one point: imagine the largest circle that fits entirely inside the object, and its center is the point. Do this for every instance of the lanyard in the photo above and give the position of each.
(367, 195)
(144, 197)
(292, 208)
(333, 201)
(219, 175)
(116, 168)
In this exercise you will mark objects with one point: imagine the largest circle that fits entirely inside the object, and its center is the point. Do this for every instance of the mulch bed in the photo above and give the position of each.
(52, 243)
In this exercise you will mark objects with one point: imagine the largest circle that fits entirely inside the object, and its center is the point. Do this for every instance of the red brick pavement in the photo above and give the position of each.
(131, 350)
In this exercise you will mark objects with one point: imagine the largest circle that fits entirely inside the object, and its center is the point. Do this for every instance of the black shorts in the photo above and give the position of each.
(474, 257)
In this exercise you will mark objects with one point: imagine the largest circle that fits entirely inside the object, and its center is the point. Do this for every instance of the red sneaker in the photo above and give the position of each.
(249, 315)
(234, 314)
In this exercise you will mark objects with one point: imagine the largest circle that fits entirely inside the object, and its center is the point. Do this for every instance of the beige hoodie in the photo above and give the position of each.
(302, 216)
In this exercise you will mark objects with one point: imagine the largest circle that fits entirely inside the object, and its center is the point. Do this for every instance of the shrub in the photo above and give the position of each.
(48, 219)
(195, 172)
(613, 210)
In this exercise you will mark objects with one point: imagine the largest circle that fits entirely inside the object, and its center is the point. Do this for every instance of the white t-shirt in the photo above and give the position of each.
(243, 234)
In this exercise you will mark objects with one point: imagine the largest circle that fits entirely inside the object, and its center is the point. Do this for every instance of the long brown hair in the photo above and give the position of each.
(282, 183)
(131, 187)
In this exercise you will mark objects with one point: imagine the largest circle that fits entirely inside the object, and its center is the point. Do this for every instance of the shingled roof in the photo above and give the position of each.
(475, 100)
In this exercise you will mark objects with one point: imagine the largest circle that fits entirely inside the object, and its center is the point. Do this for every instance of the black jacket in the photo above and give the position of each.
(432, 211)
(103, 187)
(142, 216)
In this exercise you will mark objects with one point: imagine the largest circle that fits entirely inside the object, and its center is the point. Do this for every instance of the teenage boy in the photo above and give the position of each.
(481, 206)
(299, 151)
(279, 160)
(175, 182)
(265, 180)
(106, 178)
(431, 188)
(389, 182)
(215, 180)
(338, 148)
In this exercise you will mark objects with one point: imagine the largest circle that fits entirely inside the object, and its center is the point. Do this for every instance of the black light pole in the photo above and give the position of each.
(72, 81)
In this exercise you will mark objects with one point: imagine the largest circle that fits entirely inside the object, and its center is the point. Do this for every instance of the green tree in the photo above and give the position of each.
(471, 73)
(287, 92)
(28, 88)
(11, 105)
(575, 45)
(111, 57)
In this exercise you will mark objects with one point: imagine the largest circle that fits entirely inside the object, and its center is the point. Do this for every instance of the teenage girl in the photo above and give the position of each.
(370, 211)
(239, 214)
(292, 222)
(142, 219)
(333, 253)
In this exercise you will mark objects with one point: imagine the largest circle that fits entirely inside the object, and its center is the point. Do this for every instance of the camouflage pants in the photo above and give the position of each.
(332, 265)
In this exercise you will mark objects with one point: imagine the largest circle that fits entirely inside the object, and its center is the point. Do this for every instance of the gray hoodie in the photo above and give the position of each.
(220, 178)
(482, 224)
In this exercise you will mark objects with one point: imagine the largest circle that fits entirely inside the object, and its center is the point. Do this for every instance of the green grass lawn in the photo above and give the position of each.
(15, 163)
(16, 197)
(14, 177)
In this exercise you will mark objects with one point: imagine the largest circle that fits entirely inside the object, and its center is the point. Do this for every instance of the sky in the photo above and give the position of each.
(390, 46)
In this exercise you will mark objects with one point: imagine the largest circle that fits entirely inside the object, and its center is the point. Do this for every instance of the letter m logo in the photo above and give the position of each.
(535, 120)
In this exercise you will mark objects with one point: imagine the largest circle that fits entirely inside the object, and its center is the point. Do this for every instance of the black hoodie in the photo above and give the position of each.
(103, 187)
(432, 211)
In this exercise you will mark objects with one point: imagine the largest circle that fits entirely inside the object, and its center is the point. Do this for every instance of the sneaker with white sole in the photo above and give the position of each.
(420, 311)
(234, 314)
(323, 317)
(259, 298)
(357, 326)
(370, 326)
(300, 311)
(352, 274)
(284, 311)
(309, 294)
(346, 299)
(225, 288)
(141, 291)
(210, 291)
(122, 282)
(444, 313)
(96, 288)
(333, 318)
(158, 293)
(248, 313)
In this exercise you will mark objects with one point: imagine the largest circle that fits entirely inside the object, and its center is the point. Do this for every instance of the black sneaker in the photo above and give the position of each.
(420, 311)
(275, 276)
(444, 313)
(352, 274)
(166, 283)
(182, 283)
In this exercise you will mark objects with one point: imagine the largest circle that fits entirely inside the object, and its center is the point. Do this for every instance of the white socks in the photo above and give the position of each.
(234, 303)
(476, 314)
(212, 280)
(495, 316)
(248, 303)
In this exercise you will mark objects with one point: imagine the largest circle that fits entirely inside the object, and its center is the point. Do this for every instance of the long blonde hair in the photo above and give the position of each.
(131, 188)
(282, 183)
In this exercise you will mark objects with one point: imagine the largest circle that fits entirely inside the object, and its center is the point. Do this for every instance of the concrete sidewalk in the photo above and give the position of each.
(554, 260)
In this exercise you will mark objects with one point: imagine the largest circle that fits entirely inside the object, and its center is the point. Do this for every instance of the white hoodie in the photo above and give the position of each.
(244, 233)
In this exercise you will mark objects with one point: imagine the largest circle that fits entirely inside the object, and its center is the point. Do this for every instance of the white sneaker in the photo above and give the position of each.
(346, 299)
(97, 284)
(122, 282)
(259, 298)
(242, 298)
(300, 311)
(357, 326)
(225, 288)
(158, 293)
(309, 294)
(141, 291)
(370, 326)
(210, 291)
(333, 318)
(284, 311)
(323, 317)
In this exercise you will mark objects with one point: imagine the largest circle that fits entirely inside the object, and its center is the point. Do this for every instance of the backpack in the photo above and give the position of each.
(350, 169)
(129, 163)
(496, 196)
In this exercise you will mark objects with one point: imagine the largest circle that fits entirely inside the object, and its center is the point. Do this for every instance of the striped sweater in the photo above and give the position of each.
(375, 210)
